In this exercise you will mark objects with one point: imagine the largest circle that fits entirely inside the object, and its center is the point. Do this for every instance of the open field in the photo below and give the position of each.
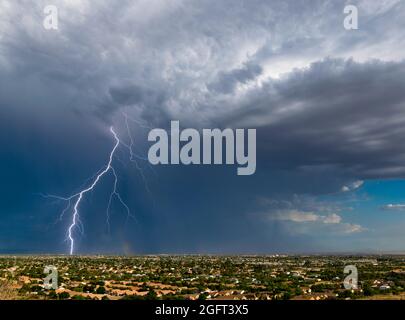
(202, 277)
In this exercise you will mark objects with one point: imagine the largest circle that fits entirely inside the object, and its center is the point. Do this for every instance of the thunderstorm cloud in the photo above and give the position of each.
(328, 105)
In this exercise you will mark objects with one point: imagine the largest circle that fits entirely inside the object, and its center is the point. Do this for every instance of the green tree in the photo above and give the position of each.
(203, 296)
(100, 290)
(64, 296)
(151, 295)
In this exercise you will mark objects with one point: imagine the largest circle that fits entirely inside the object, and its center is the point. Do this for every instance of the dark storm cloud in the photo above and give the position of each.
(168, 59)
(328, 105)
(337, 112)
(227, 81)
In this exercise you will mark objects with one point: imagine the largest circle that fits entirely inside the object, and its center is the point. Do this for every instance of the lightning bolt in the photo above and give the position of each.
(80, 195)
(74, 201)
(91, 187)
(133, 156)
(77, 197)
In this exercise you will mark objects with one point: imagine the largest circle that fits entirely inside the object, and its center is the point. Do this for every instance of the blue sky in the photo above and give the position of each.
(328, 105)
